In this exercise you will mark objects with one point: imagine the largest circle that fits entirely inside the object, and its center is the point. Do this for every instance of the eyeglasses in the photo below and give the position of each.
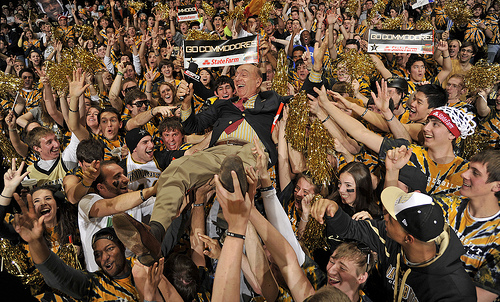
(141, 103)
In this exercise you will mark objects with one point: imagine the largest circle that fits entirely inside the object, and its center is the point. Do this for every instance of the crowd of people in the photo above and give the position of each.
(136, 182)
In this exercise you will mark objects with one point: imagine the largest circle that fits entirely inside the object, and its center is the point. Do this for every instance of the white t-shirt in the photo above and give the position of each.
(89, 226)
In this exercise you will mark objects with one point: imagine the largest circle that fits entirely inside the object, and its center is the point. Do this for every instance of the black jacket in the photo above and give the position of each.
(442, 279)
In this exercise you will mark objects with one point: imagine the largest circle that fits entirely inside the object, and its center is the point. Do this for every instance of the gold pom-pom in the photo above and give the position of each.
(265, 12)
(137, 6)
(378, 8)
(237, 14)
(196, 34)
(458, 12)
(9, 84)
(209, 9)
(424, 25)
(352, 6)
(319, 144)
(393, 23)
(356, 64)
(88, 61)
(86, 31)
(280, 80)
(298, 119)
(474, 143)
(57, 72)
(482, 75)
(57, 34)
(163, 10)
(314, 235)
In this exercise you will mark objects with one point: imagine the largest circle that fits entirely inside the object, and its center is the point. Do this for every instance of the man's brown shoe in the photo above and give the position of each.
(233, 163)
(137, 238)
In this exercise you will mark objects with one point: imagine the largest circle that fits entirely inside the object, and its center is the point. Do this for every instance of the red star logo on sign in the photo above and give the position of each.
(206, 62)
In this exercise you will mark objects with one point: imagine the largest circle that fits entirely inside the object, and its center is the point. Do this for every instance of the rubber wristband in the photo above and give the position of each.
(142, 195)
(446, 57)
(266, 189)
(304, 219)
(326, 119)
(477, 94)
(5, 196)
(119, 73)
(364, 113)
(72, 110)
(85, 186)
(198, 205)
(390, 118)
(231, 234)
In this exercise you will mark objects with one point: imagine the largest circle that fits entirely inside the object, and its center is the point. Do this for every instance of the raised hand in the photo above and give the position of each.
(77, 86)
(397, 158)
(13, 177)
(381, 100)
(28, 225)
(91, 173)
(153, 278)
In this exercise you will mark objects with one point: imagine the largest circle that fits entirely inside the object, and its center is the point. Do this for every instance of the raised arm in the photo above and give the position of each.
(76, 89)
(121, 203)
(20, 147)
(352, 126)
(447, 66)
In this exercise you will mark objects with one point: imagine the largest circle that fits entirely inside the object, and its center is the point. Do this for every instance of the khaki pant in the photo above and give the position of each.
(192, 172)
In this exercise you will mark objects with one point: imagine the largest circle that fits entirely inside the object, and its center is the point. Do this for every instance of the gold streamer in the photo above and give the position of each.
(9, 84)
(137, 6)
(236, 14)
(209, 9)
(352, 6)
(378, 8)
(163, 9)
(424, 25)
(86, 31)
(296, 125)
(356, 64)
(458, 12)
(57, 34)
(57, 73)
(265, 11)
(319, 144)
(196, 34)
(475, 143)
(280, 80)
(482, 75)
(393, 23)
(314, 237)
(8, 152)
(88, 61)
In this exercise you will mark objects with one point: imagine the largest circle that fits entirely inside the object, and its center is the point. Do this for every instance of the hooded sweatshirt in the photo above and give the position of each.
(442, 278)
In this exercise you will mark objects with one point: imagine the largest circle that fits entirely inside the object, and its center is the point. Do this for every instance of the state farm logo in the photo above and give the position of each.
(206, 62)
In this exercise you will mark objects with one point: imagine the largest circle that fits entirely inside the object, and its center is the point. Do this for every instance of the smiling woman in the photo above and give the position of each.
(61, 229)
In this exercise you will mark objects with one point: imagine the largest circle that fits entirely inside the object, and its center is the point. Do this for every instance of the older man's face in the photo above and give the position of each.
(247, 81)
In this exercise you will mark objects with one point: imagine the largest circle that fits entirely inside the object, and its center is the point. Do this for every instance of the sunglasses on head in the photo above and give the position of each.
(128, 89)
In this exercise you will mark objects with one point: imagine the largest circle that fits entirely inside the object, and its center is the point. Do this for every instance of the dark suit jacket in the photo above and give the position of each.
(222, 113)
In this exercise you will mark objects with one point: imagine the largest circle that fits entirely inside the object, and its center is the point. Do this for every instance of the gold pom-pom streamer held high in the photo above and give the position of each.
(162, 9)
(482, 75)
(314, 235)
(69, 255)
(356, 65)
(8, 152)
(393, 23)
(209, 9)
(424, 25)
(458, 12)
(196, 34)
(319, 144)
(298, 119)
(237, 14)
(352, 6)
(57, 72)
(137, 6)
(265, 12)
(378, 8)
(9, 84)
(88, 61)
(57, 34)
(86, 31)
(280, 80)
